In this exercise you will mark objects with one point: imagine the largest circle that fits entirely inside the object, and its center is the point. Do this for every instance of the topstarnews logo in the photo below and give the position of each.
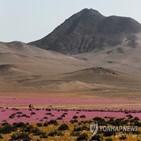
(94, 128)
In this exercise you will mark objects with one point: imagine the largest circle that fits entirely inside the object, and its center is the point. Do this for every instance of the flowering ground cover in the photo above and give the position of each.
(63, 109)
(12, 115)
(65, 118)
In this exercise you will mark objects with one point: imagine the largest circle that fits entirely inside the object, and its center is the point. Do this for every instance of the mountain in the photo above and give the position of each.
(89, 30)
(89, 54)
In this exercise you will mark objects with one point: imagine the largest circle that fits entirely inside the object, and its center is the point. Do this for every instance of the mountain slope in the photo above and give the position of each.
(88, 30)
(18, 58)
(26, 68)
(26, 55)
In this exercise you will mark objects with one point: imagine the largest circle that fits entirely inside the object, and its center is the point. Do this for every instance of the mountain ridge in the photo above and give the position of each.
(88, 30)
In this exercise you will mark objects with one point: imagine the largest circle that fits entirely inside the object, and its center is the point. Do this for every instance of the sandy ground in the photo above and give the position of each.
(66, 100)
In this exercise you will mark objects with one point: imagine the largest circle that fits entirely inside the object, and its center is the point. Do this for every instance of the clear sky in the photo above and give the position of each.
(29, 20)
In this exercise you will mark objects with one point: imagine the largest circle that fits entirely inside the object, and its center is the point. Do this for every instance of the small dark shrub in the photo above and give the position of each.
(59, 133)
(6, 129)
(53, 122)
(5, 123)
(39, 124)
(82, 136)
(75, 117)
(118, 122)
(63, 127)
(45, 118)
(82, 116)
(109, 139)
(19, 125)
(59, 118)
(63, 115)
(96, 138)
(45, 124)
(19, 113)
(74, 121)
(12, 115)
(123, 137)
(1, 137)
(47, 109)
(129, 116)
(75, 133)
(20, 136)
(109, 133)
(54, 133)
(43, 135)
(136, 118)
(32, 113)
(36, 132)
(48, 113)
(29, 129)
(100, 121)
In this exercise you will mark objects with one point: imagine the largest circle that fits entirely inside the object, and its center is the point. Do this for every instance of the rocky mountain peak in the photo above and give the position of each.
(88, 30)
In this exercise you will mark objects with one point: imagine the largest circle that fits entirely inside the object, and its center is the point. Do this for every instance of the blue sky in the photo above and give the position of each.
(28, 20)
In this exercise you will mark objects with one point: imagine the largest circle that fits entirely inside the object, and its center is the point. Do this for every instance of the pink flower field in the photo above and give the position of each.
(62, 115)
(64, 109)
(69, 102)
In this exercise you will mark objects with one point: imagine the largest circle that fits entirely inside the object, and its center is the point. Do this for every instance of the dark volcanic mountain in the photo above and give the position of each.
(89, 30)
